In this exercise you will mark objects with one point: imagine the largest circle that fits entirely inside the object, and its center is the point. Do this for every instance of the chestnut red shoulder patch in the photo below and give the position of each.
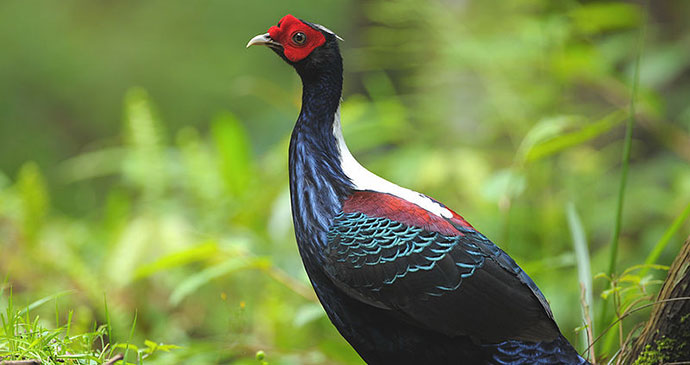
(375, 204)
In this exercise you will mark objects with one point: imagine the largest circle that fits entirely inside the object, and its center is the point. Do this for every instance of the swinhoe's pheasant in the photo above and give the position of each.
(403, 278)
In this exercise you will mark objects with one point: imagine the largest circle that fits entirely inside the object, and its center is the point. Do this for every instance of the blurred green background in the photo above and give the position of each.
(143, 155)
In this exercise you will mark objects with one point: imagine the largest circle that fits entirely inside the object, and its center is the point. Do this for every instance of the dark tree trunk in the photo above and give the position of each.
(666, 336)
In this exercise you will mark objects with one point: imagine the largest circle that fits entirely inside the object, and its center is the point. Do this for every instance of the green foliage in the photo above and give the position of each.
(599, 17)
(627, 293)
(27, 337)
(33, 198)
(175, 205)
(232, 144)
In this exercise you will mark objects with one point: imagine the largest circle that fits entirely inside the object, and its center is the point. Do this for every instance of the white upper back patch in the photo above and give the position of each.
(364, 179)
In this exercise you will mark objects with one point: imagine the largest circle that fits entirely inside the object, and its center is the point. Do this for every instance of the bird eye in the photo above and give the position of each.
(299, 38)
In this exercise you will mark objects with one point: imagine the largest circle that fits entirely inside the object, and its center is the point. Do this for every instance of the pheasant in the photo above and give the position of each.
(403, 278)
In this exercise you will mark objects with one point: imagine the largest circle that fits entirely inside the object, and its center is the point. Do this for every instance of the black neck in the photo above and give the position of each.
(321, 91)
(317, 182)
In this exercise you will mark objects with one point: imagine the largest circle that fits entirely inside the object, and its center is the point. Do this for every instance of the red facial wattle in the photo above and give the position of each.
(285, 33)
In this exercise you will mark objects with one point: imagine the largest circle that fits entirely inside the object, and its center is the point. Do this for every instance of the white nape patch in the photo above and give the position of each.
(364, 179)
(327, 30)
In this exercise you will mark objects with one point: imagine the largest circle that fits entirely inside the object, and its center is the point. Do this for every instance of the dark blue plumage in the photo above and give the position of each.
(402, 277)
(520, 352)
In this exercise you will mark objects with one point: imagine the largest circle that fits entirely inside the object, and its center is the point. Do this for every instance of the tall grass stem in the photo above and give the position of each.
(625, 164)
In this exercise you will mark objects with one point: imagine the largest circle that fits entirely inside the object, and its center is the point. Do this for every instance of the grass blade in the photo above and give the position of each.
(584, 268)
(42, 301)
(131, 335)
(192, 283)
(107, 319)
(663, 242)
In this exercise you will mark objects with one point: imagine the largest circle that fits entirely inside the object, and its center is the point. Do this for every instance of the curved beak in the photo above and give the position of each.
(263, 40)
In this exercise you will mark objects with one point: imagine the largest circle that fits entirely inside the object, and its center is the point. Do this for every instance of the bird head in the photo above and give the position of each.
(299, 42)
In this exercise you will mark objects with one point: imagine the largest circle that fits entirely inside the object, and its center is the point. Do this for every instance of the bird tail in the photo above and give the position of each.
(558, 351)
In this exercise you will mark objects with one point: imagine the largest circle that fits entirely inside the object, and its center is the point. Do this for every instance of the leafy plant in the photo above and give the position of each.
(24, 336)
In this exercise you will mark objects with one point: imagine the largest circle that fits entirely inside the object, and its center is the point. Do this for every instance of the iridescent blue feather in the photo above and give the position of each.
(357, 241)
